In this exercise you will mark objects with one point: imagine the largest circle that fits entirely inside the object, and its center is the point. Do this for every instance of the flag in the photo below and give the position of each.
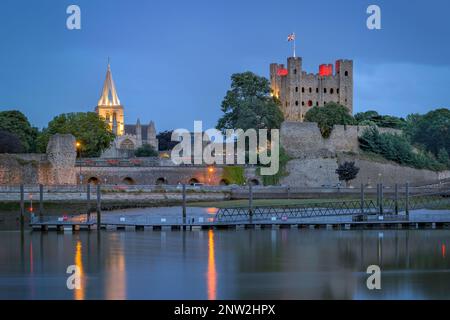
(291, 37)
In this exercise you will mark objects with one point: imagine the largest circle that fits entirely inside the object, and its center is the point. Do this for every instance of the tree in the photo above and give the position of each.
(328, 116)
(91, 131)
(16, 122)
(443, 157)
(347, 171)
(249, 105)
(10, 143)
(146, 151)
(382, 121)
(431, 130)
(165, 141)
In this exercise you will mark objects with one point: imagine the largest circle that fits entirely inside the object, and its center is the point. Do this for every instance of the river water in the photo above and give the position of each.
(226, 264)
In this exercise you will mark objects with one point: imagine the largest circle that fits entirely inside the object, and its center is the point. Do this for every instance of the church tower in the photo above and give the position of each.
(109, 107)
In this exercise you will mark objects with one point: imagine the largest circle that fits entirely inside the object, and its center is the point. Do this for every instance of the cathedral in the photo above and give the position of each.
(129, 137)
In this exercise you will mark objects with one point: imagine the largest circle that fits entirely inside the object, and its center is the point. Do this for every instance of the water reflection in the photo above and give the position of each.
(212, 273)
(116, 278)
(253, 264)
(79, 292)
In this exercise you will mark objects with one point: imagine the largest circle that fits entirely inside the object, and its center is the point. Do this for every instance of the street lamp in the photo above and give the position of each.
(78, 144)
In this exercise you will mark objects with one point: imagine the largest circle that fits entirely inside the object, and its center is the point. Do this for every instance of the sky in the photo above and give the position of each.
(172, 60)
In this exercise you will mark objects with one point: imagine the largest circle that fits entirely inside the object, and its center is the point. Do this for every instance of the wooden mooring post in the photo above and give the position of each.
(362, 199)
(22, 207)
(250, 201)
(88, 201)
(381, 199)
(184, 206)
(407, 198)
(99, 207)
(41, 202)
(396, 199)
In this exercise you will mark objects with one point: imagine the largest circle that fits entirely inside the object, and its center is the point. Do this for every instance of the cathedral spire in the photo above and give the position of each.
(109, 95)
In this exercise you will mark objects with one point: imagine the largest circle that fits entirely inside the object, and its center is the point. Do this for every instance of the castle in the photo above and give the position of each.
(128, 137)
(299, 91)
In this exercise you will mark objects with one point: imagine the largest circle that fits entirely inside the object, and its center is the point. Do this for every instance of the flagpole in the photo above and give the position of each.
(295, 39)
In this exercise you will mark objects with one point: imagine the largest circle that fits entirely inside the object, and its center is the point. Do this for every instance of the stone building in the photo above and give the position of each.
(299, 91)
(129, 137)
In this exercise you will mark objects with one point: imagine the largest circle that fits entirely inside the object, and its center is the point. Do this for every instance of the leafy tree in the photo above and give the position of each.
(347, 171)
(431, 130)
(383, 121)
(397, 148)
(165, 141)
(10, 143)
(328, 116)
(443, 157)
(146, 151)
(88, 128)
(248, 104)
(17, 123)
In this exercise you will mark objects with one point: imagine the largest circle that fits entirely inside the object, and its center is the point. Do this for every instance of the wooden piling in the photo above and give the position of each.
(41, 202)
(99, 207)
(184, 206)
(22, 207)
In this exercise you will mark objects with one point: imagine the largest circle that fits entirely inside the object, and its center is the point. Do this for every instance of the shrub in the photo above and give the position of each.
(397, 148)
(234, 175)
(328, 116)
(146, 151)
(347, 171)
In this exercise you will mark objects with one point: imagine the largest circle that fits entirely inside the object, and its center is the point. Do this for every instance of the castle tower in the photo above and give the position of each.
(299, 91)
(109, 106)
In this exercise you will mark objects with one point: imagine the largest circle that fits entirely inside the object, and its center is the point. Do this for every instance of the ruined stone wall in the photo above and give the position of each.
(304, 140)
(315, 159)
(56, 167)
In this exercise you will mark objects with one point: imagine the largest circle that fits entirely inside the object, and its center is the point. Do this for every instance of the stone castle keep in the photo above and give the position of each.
(299, 91)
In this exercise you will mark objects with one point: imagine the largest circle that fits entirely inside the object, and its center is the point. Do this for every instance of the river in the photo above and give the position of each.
(226, 264)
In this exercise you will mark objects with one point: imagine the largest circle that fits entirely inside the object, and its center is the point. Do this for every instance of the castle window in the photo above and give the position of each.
(295, 71)
(317, 103)
(331, 90)
(346, 73)
(337, 90)
(303, 89)
(296, 89)
(303, 103)
(324, 103)
(317, 90)
(296, 103)
(324, 90)
(310, 89)
(310, 103)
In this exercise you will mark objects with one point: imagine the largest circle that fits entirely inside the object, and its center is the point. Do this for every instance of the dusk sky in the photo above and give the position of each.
(172, 60)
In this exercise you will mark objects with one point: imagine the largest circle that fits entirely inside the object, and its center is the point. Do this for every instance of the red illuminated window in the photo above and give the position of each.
(282, 72)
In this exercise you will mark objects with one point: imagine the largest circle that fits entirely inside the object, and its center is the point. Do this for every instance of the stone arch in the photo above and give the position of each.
(161, 181)
(193, 180)
(127, 144)
(93, 180)
(224, 182)
(128, 181)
